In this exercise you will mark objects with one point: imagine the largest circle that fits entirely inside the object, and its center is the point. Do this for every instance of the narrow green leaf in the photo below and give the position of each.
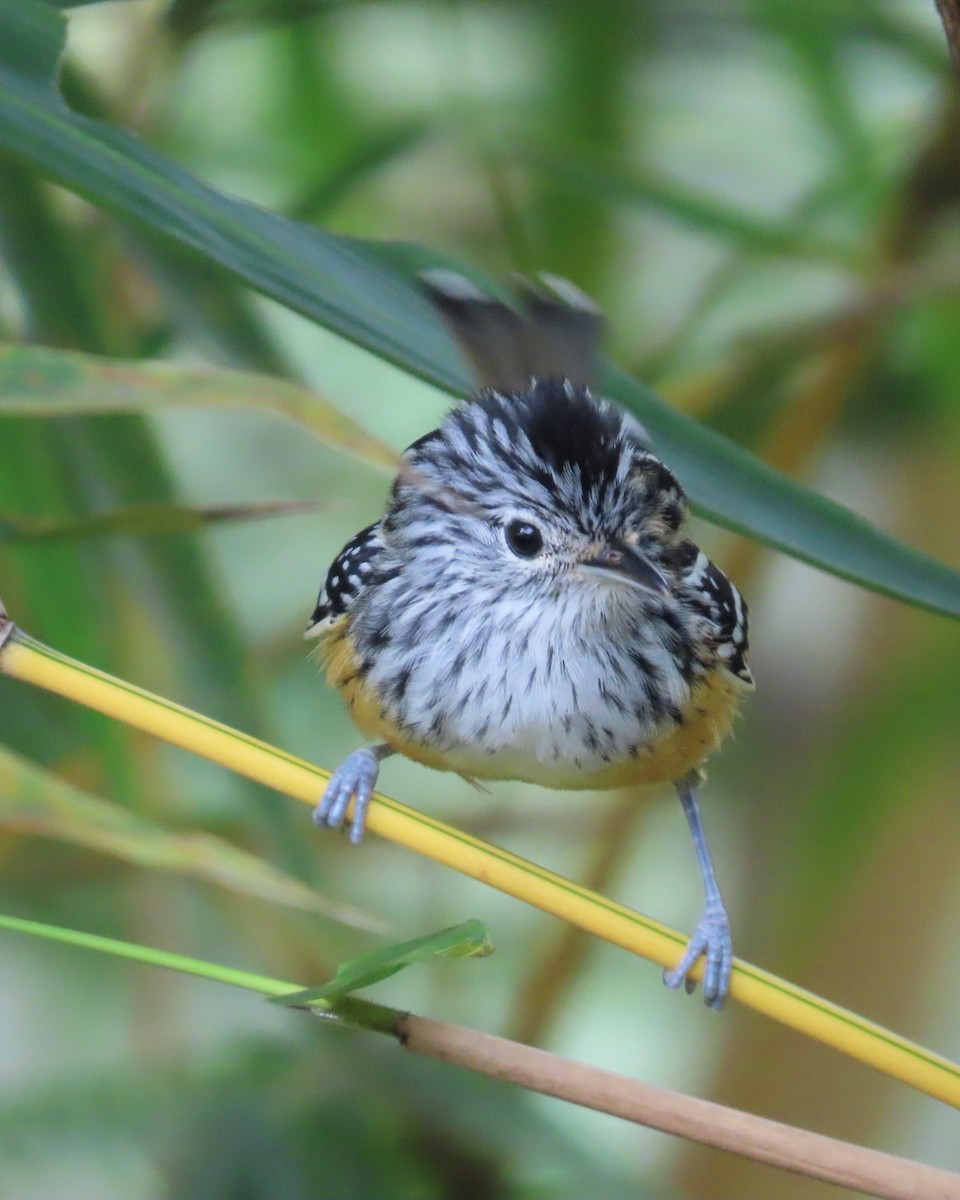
(363, 1013)
(60, 298)
(327, 278)
(38, 382)
(349, 289)
(207, 307)
(467, 940)
(147, 955)
(582, 172)
(368, 158)
(35, 801)
(60, 592)
(141, 520)
(61, 277)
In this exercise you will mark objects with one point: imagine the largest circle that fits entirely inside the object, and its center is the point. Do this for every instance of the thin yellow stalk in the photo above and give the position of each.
(23, 658)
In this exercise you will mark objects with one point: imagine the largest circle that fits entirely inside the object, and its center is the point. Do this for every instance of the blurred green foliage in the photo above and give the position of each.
(764, 198)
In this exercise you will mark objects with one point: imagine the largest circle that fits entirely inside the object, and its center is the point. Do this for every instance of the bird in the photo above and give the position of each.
(528, 606)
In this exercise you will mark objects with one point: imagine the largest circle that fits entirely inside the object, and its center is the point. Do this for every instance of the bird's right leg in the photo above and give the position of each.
(711, 936)
(354, 779)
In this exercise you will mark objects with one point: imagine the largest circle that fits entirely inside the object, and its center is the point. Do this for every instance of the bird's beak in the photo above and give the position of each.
(622, 563)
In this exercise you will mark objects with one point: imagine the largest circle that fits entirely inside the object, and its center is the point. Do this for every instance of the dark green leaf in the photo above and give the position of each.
(207, 307)
(329, 279)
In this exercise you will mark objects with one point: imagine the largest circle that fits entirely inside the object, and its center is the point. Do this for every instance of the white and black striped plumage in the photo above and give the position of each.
(533, 668)
(528, 606)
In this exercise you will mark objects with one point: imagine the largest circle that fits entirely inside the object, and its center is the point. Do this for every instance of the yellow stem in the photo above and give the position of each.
(23, 658)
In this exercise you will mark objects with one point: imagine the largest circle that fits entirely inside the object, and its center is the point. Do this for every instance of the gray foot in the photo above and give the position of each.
(711, 937)
(355, 778)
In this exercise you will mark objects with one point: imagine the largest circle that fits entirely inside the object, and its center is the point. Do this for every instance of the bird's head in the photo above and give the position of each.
(539, 489)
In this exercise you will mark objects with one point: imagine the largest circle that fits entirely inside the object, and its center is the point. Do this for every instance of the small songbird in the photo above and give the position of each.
(527, 607)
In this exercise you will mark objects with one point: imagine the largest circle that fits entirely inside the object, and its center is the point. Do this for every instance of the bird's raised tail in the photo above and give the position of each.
(553, 334)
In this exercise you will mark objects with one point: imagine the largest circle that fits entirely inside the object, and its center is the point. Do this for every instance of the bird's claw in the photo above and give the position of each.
(711, 937)
(354, 779)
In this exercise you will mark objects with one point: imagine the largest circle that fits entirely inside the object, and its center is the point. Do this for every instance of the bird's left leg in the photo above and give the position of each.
(355, 778)
(711, 935)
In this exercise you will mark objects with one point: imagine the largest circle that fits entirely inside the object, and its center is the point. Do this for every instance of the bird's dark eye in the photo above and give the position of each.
(524, 539)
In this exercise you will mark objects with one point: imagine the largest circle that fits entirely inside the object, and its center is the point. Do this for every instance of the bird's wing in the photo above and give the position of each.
(712, 593)
(348, 573)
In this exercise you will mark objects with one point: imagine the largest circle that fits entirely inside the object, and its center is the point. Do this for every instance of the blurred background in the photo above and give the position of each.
(764, 198)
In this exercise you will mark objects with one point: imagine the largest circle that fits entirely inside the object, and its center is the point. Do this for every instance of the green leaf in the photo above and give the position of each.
(38, 382)
(60, 299)
(368, 158)
(63, 291)
(329, 279)
(143, 520)
(581, 171)
(206, 307)
(363, 1013)
(147, 955)
(35, 801)
(468, 940)
(350, 289)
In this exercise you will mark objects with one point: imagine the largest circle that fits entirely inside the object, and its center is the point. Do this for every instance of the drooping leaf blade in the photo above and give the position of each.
(143, 520)
(352, 291)
(39, 382)
(36, 802)
(467, 940)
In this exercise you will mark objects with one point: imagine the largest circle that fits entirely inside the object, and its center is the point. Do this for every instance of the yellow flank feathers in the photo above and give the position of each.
(707, 720)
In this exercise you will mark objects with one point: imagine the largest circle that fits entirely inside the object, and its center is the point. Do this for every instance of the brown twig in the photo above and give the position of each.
(799, 1150)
